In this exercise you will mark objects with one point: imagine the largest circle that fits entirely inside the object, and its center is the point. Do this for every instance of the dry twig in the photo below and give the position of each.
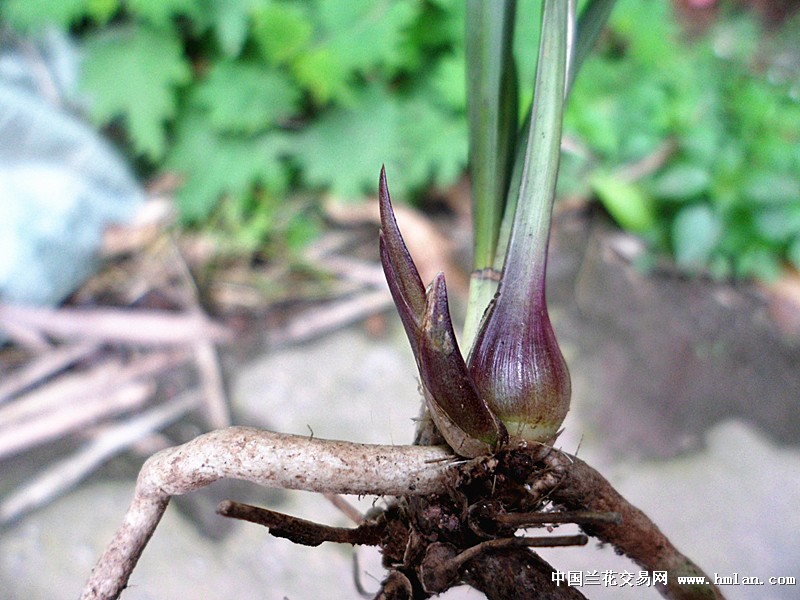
(63, 475)
(130, 326)
(205, 352)
(332, 316)
(59, 422)
(42, 367)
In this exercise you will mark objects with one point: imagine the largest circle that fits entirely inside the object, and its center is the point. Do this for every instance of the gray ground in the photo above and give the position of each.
(714, 464)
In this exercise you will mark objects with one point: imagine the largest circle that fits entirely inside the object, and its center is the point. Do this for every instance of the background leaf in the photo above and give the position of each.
(723, 103)
(160, 12)
(215, 165)
(416, 140)
(333, 58)
(231, 19)
(282, 30)
(695, 232)
(133, 73)
(626, 202)
(26, 15)
(245, 97)
(681, 181)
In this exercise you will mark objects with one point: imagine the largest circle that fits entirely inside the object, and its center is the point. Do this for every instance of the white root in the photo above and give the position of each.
(270, 459)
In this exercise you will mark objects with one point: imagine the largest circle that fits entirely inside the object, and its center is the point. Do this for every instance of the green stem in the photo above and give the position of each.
(484, 282)
(591, 22)
(526, 261)
(492, 113)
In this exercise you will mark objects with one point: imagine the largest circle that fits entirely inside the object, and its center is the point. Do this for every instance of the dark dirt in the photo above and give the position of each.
(668, 356)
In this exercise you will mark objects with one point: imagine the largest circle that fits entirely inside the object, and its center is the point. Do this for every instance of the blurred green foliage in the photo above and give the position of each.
(717, 118)
(249, 99)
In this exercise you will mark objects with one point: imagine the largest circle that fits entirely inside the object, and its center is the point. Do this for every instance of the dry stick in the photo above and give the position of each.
(25, 335)
(582, 488)
(150, 444)
(76, 401)
(43, 367)
(63, 475)
(649, 164)
(57, 423)
(270, 459)
(137, 326)
(347, 509)
(361, 271)
(69, 389)
(216, 405)
(97, 380)
(150, 221)
(333, 316)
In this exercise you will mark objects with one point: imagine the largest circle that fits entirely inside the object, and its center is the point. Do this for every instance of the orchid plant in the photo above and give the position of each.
(514, 385)
(453, 521)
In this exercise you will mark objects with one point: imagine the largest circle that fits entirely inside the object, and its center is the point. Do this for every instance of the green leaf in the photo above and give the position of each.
(702, 137)
(339, 149)
(301, 230)
(778, 223)
(492, 114)
(216, 165)
(245, 97)
(160, 12)
(526, 49)
(514, 359)
(327, 67)
(102, 10)
(635, 22)
(231, 23)
(27, 15)
(282, 31)
(414, 138)
(695, 233)
(133, 73)
(320, 72)
(681, 181)
(625, 201)
(448, 82)
(526, 255)
(758, 261)
(440, 25)
(434, 142)
(593, 19)
(378, 26)
(772, 188)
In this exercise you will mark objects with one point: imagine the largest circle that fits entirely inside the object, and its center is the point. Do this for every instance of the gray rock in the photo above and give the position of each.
(61, 183)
